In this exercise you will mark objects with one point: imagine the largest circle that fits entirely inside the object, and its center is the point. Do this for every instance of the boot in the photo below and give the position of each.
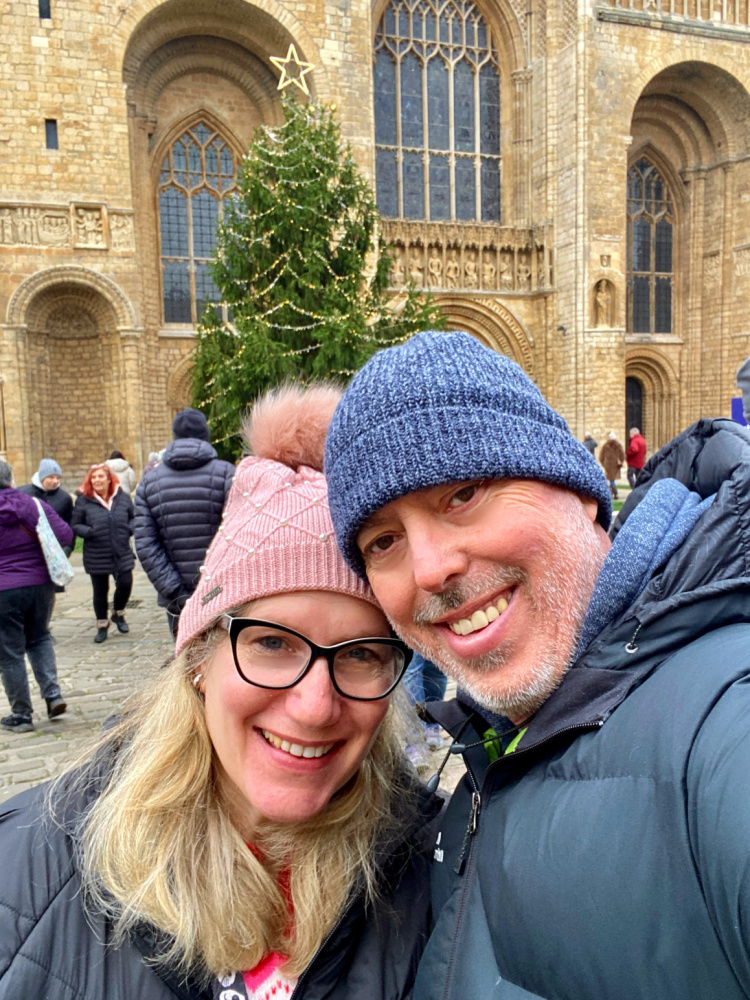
(118, 617)
(103, 627)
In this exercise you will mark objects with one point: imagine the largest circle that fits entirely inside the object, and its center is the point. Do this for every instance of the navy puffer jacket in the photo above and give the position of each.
(178, 507)
(105, 533)
(609, 858)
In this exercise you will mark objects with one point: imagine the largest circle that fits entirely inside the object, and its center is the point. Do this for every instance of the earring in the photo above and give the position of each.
(197, 681)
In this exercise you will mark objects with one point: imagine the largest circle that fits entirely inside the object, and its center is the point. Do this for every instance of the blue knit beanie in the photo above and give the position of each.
(441, 408)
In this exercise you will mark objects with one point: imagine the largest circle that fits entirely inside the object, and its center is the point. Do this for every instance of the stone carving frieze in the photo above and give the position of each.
(711, 268)
(75, 226)
(469, 257)
(742, 262)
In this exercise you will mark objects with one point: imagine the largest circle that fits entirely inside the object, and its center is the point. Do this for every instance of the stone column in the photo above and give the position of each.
(15, 418)
(522, 79)
(692, 247)
(131, 394)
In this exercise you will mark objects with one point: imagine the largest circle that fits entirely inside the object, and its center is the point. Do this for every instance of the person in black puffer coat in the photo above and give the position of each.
(45, 485)
(103, 518)
(178, 508)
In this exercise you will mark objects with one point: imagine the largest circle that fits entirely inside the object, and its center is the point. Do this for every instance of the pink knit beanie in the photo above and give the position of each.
(276, 535)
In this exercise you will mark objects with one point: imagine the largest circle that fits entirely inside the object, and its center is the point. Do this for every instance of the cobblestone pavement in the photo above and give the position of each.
(97, 679)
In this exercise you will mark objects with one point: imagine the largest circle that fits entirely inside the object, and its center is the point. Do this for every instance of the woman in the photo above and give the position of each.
(611, 456)
(26, 598)
(123, 470)
(103, 518)
(249, 828)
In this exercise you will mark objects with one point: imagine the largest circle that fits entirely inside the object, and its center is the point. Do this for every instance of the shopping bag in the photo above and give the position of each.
(58, 565)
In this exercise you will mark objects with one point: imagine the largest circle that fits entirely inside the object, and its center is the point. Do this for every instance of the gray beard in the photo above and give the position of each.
(563, 590)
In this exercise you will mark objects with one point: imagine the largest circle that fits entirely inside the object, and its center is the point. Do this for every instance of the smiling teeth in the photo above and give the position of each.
(296, 749)
(480, 619)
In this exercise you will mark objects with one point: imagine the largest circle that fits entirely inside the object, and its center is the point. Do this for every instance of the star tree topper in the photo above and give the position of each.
(298, 70)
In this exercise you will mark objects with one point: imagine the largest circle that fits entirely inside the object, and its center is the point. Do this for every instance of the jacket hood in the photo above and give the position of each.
(704, 584)
(118, 464)
(17, 508)
(188, 453)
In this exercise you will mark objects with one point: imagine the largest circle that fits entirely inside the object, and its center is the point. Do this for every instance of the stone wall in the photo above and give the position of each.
(87, 362)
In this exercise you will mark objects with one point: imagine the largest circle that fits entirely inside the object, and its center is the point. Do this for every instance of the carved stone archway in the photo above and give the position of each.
(78, 387)
(70, 275)
(492, 323)
(179, 386)
(660, 393)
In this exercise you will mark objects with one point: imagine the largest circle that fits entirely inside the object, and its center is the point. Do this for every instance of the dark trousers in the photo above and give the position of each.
(632, 475)
(24, 629)
(100, 584)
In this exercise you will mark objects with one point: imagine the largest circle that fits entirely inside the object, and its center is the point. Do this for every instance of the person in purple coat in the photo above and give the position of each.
(26, 598)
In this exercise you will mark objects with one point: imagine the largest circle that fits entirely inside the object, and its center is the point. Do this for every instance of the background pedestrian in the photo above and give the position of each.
(103, 518)
(45, 485)
(612, 455)
(635, 455)
(123, 470)
(26, 598)
(589, 443)
(178, 509)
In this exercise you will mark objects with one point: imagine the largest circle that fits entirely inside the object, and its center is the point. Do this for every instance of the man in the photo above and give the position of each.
(45, 485)
(598, 846)
(635, 455)
(589, 443)
(743, 384)
(178, 508)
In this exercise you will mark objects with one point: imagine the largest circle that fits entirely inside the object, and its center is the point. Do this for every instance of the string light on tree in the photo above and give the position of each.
(303, 270)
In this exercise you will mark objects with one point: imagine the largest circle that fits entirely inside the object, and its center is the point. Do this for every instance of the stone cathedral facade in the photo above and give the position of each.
(571, 179)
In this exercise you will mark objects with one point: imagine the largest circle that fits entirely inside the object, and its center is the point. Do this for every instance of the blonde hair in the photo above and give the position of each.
(159, 844)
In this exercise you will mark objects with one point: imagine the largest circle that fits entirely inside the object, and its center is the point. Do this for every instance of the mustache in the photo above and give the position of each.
(436, 606)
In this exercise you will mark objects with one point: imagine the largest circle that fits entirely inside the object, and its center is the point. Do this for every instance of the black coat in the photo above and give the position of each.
(105, 533)
(59, 500)
(609, 859)
(178, 508)
(50, 948)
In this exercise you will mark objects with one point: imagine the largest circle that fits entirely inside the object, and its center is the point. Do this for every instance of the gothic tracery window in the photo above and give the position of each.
(650, 251)
(198, 173)
(437, 112)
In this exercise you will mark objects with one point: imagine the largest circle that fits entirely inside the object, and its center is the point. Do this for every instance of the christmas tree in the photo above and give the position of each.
(302, 273)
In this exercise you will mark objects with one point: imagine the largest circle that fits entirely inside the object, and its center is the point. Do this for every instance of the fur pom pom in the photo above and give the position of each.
(289, 424)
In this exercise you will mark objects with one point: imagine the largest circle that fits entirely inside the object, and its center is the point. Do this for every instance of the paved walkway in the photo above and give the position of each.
(96, 680)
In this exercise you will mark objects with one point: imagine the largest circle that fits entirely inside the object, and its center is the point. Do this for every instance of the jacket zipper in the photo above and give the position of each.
(306, 973)
(465, 863)
(464, 866)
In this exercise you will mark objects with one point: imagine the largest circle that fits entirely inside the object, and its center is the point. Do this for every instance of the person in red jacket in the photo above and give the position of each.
(636, 455)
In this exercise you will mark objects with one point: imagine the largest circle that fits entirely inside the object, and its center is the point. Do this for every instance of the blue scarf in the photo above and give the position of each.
(654, 531)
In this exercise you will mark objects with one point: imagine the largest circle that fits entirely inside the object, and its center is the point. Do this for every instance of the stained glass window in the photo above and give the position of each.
(437, 112)
(198, 172)
(650, 259)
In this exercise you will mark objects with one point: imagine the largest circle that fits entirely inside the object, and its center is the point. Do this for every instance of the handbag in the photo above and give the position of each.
(58, 564)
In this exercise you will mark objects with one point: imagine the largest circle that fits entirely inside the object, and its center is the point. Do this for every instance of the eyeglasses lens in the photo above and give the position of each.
(275, 659)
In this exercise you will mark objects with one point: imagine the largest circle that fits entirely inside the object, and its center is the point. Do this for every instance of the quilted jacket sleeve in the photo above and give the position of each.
(719, 811)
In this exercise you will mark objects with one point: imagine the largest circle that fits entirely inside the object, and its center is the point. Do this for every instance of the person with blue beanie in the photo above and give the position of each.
(597, 845)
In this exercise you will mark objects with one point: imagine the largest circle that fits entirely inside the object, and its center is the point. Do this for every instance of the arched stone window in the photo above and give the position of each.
(437, 112)
(651, 224)
(198, 172)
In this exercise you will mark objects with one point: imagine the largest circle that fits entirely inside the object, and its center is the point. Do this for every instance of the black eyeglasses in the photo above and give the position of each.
(272, 656)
